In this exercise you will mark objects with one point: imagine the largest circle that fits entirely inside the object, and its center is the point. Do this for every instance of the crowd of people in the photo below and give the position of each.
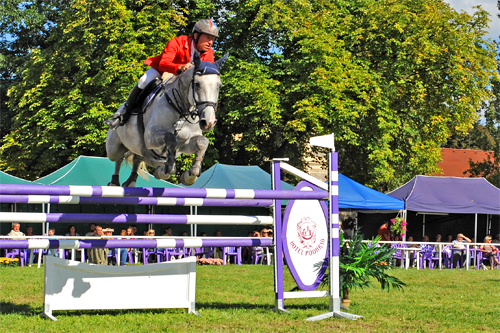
(104, 256)
(454, 252)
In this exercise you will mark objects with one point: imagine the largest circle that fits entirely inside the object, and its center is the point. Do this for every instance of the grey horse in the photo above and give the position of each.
(172, 124)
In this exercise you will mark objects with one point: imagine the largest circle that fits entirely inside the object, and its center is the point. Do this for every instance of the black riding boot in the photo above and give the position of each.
(121, 116)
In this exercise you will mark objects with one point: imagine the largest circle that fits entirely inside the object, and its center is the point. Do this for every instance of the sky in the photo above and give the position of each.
(488, 5)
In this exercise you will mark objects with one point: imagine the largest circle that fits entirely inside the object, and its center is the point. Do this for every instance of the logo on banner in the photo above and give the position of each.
(306, 230)
(308, 243)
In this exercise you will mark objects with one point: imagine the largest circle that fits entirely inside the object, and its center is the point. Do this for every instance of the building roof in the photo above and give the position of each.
(456, 161)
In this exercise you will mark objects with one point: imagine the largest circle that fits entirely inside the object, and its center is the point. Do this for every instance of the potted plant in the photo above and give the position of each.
(398, 226)
(359, 262)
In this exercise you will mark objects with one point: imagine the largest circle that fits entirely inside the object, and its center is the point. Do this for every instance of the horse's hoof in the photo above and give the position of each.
(111, 184)
(129, 184)
(187, 178)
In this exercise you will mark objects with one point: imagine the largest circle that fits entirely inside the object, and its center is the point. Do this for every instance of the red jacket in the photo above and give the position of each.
(176, 53)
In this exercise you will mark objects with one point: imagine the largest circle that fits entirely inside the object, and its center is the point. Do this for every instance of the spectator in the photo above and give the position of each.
(489, 252)
(184, 234)
(91, 233)
(257, 250)
(449, 238)
(134, 251)
(72, 231)
(438, 238)
(496, 241)
(16, 231)
(384, 233)
(168, 232)
(218, 250)
(52, 252)
(29, 231)
(247, 251)
(108, 232)
(412, 254)
(123, 251)
(459, 249)
(151, 251)
(98, 256)
(92, 230)
(134, 228)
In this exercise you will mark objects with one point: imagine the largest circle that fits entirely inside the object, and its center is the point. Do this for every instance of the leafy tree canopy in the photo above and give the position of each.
(391, 79)
(65, 90)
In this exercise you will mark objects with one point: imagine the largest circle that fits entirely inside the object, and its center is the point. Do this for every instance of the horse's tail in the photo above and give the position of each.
(142, 170)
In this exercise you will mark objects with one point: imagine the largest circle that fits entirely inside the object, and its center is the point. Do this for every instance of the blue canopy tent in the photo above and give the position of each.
(353, 195)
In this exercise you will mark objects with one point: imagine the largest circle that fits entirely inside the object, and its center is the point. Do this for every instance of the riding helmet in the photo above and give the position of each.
(206, 27)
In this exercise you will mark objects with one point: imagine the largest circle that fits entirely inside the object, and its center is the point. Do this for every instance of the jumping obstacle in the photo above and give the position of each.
(138, 194)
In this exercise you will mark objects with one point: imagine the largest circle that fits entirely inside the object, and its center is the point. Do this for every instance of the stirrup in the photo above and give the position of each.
(114, 122)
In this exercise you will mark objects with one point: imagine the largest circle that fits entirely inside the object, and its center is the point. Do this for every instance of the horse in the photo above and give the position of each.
(173, 123)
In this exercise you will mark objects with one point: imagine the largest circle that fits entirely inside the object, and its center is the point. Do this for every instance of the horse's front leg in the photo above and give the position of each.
(199, 145)
(157, 138)
(116, 152)
(132, 179)
(115, 178)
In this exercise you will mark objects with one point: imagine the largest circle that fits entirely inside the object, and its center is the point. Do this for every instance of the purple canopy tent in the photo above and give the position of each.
(428, 194)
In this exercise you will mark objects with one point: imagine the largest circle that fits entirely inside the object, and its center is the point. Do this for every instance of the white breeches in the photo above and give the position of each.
(149, 76)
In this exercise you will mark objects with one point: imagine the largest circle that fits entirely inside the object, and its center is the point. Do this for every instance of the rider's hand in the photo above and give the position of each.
(184, 67)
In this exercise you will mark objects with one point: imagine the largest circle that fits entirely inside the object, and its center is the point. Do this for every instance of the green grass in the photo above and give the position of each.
(240, 299)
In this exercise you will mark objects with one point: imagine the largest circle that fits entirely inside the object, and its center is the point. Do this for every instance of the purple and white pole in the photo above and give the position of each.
(333, 190)
(162, 242)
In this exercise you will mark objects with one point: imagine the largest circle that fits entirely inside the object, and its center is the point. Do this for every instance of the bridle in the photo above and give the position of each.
(191, 111)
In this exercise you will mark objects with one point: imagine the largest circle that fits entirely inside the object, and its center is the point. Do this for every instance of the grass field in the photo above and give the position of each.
(240, 299)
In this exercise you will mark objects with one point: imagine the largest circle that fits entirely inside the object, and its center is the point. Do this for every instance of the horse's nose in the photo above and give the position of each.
(208, 119)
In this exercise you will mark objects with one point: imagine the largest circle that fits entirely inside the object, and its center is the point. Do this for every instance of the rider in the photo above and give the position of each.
(174, 59)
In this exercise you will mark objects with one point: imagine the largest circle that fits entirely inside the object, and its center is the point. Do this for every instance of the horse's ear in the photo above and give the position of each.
(196, 59)
(219, 63)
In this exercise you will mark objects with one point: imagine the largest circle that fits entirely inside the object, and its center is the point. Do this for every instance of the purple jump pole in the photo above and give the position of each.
(113, 191)
(154, 201)
(133, 218)
(188, 242)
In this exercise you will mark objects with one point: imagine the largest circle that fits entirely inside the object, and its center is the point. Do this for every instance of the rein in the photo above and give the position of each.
(191, 111)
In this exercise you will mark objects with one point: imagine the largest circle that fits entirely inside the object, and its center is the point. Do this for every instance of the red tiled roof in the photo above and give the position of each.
(456, 161)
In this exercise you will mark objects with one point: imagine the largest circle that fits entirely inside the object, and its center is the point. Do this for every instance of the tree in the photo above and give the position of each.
(391, 79)
(25, 26)
(490, 167)
(65, 91)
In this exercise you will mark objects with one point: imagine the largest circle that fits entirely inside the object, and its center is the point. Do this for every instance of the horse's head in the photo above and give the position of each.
(205, 90)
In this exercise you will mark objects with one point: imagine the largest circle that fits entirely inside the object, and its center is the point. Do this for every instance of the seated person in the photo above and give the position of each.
(151, 251)
(72, 231)
(29, 231)
(384, 233)
(168, 232)
(16, 231)
(413, 255)
(52, 252)
(218, 250)
(123, 251)
(489, 252)
(459, 252)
